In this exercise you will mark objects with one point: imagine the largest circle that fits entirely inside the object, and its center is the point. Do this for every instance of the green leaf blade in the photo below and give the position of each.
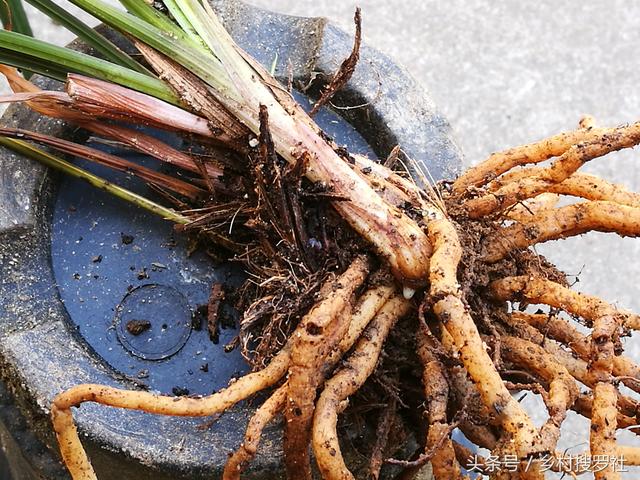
(176, 46)
(87, 34)
(34, 153)
(64, 59)
(146, 12)
(14, 17)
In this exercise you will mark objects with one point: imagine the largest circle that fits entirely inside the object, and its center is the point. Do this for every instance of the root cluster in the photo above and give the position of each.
(410, 313)
(448, 356)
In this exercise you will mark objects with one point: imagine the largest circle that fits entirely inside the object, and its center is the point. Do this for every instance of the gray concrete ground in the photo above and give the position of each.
(510, 72)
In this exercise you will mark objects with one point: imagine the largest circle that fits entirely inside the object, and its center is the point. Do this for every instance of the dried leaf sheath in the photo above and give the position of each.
(153, 177)
(99, 98)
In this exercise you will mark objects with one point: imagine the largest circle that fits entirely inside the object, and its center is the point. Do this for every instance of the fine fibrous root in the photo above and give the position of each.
(351, 376)
(320, 333)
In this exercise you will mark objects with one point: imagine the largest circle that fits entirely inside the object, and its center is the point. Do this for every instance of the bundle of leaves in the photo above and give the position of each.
(402, 307)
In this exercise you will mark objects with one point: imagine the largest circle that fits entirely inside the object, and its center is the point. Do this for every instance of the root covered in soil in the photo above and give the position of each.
(470, 341)
(368, 297)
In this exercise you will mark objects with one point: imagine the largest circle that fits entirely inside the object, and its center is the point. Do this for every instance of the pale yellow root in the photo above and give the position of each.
(592, 187)
(351, 376)
(579, 369)
(536, 289)
(319, 334)
(563, 389)
(368, 305)
(478, 431)
(582, 185)
(365, 310)
(558, 171)
(562, 331)
(604, 410)
(458, 323)
(525, 210)
(243, 388)
(514, 176)
(263, 416)
(584, 406)
(444, 463)
(73, 453)
(537, 152)
(630, 456)
(626, 406)
(601, 216)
